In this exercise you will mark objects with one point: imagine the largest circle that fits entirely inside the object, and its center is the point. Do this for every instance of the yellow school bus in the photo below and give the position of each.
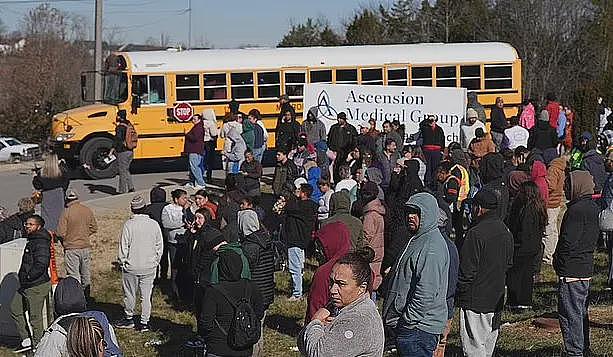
(149, 84)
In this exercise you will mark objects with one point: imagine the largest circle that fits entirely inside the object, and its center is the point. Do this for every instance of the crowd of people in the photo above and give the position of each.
(424, 227)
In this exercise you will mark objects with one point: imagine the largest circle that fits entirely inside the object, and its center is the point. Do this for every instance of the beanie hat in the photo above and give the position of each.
(137, 203)
(471, 113)
(71, 195)
(371, 189)
(544, 116)
(486, 198)
(299, 181)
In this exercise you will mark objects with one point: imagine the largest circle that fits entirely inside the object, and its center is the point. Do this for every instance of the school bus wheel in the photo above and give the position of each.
(92, 156)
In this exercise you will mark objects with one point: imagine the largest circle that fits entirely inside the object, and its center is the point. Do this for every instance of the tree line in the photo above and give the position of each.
(565, 45)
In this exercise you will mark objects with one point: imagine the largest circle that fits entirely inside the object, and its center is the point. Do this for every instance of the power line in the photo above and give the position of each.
(17, 2)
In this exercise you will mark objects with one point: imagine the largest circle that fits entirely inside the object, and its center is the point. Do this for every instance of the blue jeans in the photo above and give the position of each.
(258, 153)
(195, 160)
(415, 343)
(295, 257)
(203, 164)
(574, 320)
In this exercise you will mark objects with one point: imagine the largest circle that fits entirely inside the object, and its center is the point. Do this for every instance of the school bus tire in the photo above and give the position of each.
(91, 158)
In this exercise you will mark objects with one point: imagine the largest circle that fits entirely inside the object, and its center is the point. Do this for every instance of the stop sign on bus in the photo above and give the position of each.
(183, 111)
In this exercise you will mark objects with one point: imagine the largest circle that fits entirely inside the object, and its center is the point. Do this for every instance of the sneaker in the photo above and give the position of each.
(126, 323)
(294, 298)
(26, 345)
(142, 327)
(189, 185)
(195, 343)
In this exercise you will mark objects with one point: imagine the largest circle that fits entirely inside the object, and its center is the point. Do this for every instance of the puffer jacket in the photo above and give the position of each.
(374, 225)
(258, 249)
(35, 260)
(555, 181)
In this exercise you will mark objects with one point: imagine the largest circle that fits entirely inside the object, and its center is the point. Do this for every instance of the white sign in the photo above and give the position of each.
(409, 105)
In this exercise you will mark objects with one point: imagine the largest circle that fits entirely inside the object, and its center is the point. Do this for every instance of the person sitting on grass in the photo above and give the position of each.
(350, 324)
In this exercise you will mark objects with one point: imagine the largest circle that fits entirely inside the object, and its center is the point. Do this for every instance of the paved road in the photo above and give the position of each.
(15, 184)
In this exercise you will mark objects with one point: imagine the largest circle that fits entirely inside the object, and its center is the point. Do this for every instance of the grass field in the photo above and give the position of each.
(172, 325)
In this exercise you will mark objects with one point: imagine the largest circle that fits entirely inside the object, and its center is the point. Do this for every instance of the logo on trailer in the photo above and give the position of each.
(183, 111)
(324, 108)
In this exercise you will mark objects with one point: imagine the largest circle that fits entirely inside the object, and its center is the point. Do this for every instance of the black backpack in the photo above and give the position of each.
(244, 330)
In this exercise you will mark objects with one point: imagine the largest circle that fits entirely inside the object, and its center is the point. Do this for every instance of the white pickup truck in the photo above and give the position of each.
(13, 150)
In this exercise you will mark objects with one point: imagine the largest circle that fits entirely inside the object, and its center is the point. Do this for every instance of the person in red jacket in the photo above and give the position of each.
(553, 108)
(433, 143)
(335, 243)
(194, 147)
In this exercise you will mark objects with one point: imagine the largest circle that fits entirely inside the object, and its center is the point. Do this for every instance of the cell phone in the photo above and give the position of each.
(332, 308)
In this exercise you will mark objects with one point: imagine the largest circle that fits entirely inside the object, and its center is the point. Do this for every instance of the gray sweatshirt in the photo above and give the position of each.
(356, 331)
(141, 245)
(417, 297)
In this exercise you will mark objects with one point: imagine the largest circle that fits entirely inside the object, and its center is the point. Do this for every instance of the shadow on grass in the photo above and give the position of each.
(283, 324)
(171, 334)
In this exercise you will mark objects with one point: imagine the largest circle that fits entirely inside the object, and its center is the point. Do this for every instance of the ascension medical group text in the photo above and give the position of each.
(380, 115)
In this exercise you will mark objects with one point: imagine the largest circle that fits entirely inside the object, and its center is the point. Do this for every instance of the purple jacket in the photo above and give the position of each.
(194, 140)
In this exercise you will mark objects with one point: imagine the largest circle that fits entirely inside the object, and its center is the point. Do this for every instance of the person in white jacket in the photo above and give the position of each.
(323, 211)
(211, 131)
(174, 227)
(140, 252)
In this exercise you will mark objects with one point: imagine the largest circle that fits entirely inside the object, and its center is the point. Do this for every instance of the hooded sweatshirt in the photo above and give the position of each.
(373, 219)
(335, 242)
(340, 206)
(539, 177)
(574, 255)
(140, 245)
(157, 197)
(69, 302)
(473, 102)
(555, 181)
(257, 247)
(527, 117)
(492, 171)
(594, 164)
(418, 287)
(542, 136)
(238, 147)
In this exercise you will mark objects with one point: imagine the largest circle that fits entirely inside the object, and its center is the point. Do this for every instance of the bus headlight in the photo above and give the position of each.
(64, 136)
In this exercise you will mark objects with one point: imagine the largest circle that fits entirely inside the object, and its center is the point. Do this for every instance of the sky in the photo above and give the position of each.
(215, 23)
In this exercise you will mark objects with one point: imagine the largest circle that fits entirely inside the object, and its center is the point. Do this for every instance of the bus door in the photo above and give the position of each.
(150, 120)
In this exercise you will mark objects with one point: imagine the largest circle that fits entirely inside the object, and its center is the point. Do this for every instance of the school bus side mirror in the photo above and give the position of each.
(87, 86)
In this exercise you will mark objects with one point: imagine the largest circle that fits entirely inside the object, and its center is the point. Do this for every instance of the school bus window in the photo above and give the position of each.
(157, 92)
(397, 76)
(445, 76)
(215, 86)
(421, 76)
(498, 76)
(347, 76)
(269, 85)
(372, 76)
(470, 77)
(242, 85)
(188, 87)
(324, 76)
(294, 83)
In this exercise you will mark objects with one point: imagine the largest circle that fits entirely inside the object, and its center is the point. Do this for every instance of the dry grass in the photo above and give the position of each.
(172, 325)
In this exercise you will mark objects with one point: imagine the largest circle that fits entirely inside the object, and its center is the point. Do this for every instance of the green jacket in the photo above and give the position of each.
(236, 248)
(418, 288)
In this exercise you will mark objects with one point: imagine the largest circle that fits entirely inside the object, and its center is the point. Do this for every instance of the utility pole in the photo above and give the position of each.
(98, 53)
(189, 24)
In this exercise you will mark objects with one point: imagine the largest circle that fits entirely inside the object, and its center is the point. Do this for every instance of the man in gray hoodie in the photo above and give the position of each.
(140, 252)
(415, 306)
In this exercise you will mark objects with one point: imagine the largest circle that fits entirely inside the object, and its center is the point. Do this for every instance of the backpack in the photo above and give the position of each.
(244, 331)
(131, 138)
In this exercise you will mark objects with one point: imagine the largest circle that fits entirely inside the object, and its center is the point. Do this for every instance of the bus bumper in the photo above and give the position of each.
(65, 150)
